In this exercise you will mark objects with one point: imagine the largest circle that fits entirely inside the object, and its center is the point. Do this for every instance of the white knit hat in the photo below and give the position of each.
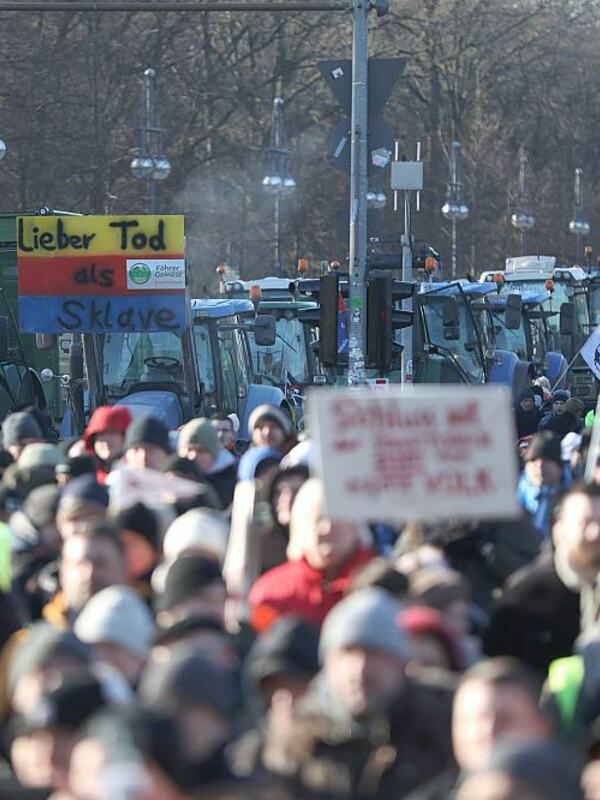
(117, 615)
(198, 530)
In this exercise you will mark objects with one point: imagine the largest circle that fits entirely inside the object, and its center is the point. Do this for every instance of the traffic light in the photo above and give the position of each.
(384, 316)
(329, 319)
(379, 323)
(326, 291)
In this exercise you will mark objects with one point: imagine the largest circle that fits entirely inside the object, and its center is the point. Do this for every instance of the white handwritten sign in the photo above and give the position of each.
(420, 452)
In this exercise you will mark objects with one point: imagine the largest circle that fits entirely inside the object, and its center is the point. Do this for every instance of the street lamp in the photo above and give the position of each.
(455, 209)
(151, 164)
(523, 218)
(579, 226)
(278, 179)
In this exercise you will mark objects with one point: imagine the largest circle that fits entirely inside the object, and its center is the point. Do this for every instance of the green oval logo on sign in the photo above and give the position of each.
(140, 273)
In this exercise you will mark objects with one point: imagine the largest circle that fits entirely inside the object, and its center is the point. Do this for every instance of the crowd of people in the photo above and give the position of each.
(180, 619)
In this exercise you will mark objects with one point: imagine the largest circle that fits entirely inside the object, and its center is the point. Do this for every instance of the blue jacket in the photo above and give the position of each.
(537, 501)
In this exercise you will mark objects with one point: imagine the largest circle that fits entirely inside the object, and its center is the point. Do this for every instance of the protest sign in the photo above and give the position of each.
(590, 352)
(101, 274)
(417, 452)
(129, 485)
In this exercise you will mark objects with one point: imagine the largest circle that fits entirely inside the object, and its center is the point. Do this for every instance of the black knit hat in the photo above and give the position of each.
(67, 705)
(289, 647)
(148, 430)
(187, 575)
(185, 677)
(41, 505)
(139, 519)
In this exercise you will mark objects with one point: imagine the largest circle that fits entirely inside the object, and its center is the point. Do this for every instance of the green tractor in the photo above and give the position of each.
(36, 352)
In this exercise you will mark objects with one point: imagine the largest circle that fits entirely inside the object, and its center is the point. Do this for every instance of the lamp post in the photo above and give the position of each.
(455, 209)
(579, 226)
(151, 164)
(278, 179)
(522, 218)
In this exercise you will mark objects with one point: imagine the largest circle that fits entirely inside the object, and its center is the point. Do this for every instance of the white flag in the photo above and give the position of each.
(590, 352)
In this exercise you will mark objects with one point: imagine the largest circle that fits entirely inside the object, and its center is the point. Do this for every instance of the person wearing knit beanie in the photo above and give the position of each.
(105, 435)
(269, 426)
(19, 430)
(139, 532)
(194, 586)
(364, 702)
(83, 501)
(119, 626)
(147, 444)
(199, 442)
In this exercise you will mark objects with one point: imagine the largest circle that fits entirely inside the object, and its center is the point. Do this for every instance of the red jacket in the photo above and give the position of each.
(297, 588)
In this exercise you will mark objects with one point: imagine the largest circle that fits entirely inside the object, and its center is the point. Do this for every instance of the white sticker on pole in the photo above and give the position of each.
(416, 452)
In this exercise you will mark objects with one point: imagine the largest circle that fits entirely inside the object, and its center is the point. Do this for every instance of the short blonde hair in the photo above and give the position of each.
(308, 507)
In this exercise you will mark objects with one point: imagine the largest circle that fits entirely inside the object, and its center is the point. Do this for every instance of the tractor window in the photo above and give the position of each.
(229, 355)
(204, 357)
(127, 359)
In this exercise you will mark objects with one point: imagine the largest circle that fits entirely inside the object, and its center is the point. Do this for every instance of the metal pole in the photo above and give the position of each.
(358, 193)
(453, 249)
(152, 196)
(277, 240)
(407, 275)
(150, 133)
(173, 5)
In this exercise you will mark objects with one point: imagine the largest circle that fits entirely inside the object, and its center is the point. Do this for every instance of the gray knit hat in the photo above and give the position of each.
(272, 413)
(117, 615)
(18, 427)
(202, 432)
(369, 619)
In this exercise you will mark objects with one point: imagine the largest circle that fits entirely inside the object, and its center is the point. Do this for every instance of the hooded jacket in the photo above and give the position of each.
(527, 422)
(105, 418)
(298, 588)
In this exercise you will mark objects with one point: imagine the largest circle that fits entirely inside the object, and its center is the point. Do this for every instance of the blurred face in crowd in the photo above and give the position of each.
(284, 496)
(484, 714)
(140, 556)
(330, 543)
(268, 433)
(363, 681)
(527, 403)
(196, 453)
(224, 429)
(41, 758)
(207, 601)
(30, 686)
(590, 780)
(125, 661)
(78, 519)
(108, 445)
(203, 731)
(16, 449)
(146, 456)
(558, 407)
(543, 472)
(576, 534)
(326, 544)
(93, 768)
(457, 618)
(429, 651)
(496, 786)
(89, 564)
